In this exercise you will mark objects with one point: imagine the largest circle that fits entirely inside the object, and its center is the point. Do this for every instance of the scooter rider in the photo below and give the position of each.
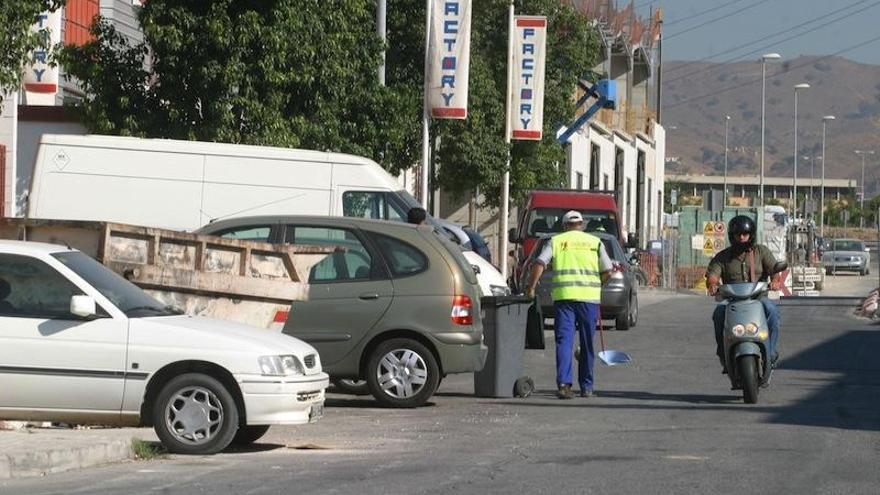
(743, 261)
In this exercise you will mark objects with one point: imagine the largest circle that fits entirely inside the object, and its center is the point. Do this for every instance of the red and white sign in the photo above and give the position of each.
(449, 59)
(40, 77)
(526, 112)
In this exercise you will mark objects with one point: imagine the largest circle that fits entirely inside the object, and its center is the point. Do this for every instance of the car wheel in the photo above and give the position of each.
(621, 322)
(634, 311)
(249, 434)
(402, 373)
(828, 271)
(351, 387)
(195, 414)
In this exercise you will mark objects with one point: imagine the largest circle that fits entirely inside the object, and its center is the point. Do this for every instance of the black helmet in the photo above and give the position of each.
(741, 224)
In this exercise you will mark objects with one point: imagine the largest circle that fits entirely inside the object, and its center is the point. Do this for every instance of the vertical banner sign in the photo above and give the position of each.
(527, 93)
(40, 77)
(449, 58)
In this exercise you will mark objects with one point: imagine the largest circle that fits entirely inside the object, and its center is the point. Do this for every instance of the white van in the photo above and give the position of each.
(183, 185)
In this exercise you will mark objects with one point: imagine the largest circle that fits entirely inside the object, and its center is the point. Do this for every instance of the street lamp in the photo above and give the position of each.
(794, 189)
(812, 175)
(726, 122)
(862, 202)
(764, 59)
(825, 120)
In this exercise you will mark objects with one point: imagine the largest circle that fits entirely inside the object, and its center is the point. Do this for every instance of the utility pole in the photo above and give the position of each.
(764, 59)
(825, 121)
(863, 154)
(794, 186)
(724, 196)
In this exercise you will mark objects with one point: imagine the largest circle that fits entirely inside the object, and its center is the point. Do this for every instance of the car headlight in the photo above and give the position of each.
(281, 366)
(751, 329)
(738, 330)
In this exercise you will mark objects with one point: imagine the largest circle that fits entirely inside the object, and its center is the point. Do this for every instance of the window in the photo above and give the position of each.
(349, 262)
(29, 288)
(549, 221)
(372, 204)
(580, 180)
(594, 167)
(629, 211)
(249, 233)
(605, 182)
(403, 259)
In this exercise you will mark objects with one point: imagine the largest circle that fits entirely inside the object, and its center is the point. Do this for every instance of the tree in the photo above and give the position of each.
(18, 40)
(285, 73)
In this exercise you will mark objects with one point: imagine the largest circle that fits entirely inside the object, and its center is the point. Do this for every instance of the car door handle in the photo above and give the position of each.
(369, 296)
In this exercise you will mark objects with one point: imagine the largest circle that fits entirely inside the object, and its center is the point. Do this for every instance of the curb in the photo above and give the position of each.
(39, 463)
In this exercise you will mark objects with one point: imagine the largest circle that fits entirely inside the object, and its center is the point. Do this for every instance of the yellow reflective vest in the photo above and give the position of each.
(576, 267)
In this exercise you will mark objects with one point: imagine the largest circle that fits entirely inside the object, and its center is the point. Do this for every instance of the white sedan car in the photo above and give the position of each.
(80, 344)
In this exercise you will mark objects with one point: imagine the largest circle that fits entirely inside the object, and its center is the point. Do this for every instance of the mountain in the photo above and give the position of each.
(698, 95)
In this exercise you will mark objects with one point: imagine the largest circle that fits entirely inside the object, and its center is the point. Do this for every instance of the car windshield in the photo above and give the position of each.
(126, 296)
(549, 221)
(844, 245)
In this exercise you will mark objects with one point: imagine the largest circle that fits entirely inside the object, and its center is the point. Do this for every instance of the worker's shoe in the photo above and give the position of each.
(586, 393)
(564, 392)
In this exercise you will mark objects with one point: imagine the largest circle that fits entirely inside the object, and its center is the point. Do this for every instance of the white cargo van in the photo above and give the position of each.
(184, 185)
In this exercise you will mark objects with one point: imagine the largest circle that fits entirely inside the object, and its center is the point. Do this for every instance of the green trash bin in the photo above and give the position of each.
(504, 333)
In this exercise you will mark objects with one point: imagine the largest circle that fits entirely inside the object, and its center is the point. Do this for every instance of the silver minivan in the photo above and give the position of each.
(395, 305)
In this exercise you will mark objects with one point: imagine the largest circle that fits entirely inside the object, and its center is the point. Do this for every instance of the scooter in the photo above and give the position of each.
(747, 336)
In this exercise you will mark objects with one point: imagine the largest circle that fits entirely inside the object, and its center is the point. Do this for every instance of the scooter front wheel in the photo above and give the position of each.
(748, 375)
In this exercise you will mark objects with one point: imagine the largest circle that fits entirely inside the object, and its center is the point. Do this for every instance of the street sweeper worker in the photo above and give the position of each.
(580, 266)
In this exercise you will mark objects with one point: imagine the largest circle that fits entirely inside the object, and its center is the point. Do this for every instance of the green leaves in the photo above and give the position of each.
(17, 40)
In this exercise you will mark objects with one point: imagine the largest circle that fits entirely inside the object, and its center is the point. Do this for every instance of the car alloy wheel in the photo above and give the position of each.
(403, 373)
(195, 414)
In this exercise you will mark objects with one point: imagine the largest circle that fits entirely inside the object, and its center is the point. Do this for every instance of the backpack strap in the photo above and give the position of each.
(752, 265)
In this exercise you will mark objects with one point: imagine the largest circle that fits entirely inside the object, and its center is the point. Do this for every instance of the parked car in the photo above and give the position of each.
(467, 237)
(620, 299)
(541, 216)
(395, 305)
(83, 345)
(847, 255)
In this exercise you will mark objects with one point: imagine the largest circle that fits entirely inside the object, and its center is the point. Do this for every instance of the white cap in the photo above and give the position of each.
(572, 216)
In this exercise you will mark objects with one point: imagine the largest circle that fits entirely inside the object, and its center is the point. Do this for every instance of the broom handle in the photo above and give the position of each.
(599, 324)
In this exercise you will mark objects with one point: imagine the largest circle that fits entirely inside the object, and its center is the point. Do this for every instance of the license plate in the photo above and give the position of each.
(317, 412)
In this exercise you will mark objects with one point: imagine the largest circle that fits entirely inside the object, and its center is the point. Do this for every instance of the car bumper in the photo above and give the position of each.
(283, 400)
(845, 265)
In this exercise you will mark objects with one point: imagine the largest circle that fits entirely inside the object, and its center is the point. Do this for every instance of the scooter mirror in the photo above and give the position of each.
(780, 266)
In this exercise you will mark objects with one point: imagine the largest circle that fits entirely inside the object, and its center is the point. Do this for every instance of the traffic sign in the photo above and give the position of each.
(719, 228)
(709, 228)
(709, 246)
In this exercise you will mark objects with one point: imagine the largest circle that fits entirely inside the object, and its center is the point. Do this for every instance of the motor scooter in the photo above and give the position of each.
(747, 336)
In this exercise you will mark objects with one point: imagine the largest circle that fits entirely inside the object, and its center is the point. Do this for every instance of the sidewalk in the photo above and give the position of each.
(38, 451)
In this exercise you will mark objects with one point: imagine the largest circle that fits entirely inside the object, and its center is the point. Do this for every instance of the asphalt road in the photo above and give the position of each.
(666, 424)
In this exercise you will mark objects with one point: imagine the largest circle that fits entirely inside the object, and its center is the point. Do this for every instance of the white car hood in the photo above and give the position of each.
(211, 334)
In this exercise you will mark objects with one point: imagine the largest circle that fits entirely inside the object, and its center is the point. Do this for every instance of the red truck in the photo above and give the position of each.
(541, 216)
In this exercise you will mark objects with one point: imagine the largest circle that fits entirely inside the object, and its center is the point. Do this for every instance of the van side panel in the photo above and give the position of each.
(154, 188)
(238, 186)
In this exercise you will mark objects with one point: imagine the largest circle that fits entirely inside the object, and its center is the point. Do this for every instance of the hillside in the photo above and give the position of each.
(840, 87)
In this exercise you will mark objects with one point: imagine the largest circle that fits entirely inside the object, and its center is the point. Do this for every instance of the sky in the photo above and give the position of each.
(715, 30)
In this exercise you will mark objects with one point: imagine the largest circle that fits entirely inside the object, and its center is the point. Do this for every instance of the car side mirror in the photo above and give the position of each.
(476, 269)
(632, 240)
(83, 306)
(512, 237)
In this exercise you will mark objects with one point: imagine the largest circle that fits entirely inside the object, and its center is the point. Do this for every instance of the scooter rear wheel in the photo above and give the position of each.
(748, 375)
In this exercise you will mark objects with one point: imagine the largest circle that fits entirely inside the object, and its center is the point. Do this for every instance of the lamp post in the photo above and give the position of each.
(764, 59)
(726, 122)
(794, 186)
(863, 153)
(825, 120)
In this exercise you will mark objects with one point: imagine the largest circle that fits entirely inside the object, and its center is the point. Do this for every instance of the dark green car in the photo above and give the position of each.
(395, 305)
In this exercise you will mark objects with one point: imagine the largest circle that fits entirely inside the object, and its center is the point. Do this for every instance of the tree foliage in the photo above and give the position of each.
(17, 40)
(303, 73)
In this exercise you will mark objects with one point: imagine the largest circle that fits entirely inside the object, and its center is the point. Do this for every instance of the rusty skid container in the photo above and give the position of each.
(238, 280)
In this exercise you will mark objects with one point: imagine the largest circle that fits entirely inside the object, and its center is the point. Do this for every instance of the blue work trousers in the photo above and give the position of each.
(773, 319)
(575, 317)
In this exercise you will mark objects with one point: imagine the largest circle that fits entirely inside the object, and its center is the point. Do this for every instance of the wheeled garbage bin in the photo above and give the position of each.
(504, 333)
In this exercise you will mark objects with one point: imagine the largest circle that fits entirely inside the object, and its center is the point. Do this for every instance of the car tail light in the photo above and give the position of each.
(462, 310)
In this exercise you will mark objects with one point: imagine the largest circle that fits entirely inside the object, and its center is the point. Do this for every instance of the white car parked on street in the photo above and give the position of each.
(80, 344)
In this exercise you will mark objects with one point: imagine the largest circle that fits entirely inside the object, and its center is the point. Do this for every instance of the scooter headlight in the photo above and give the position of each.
(763, 335)
(751, 329)
(738, 330)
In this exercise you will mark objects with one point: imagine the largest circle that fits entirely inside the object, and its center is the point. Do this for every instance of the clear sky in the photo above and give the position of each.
(717, 29)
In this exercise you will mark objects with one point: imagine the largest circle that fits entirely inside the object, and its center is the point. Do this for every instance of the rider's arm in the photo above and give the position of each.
(713, 275)
(768, 262)
(538, 266)
(605, 264)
